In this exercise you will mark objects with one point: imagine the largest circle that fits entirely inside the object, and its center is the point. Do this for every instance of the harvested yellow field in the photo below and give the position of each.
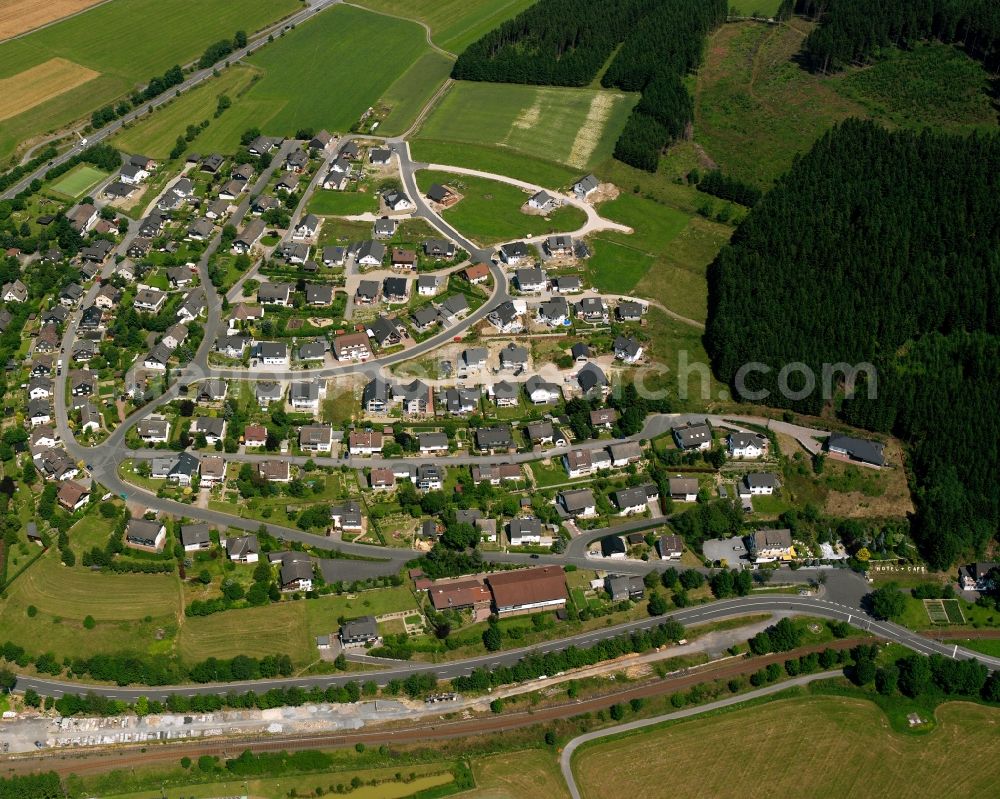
(21, 16)
(815, 747)
(34, 86)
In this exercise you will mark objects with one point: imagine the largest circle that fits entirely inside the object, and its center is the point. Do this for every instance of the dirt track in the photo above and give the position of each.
(97, 761)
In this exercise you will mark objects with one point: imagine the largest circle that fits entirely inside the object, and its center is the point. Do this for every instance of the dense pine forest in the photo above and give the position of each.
(883, 247)
(851, 31)
(567, 42)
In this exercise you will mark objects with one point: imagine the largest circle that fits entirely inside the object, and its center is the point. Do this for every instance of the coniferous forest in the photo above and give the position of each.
(567, 42)
(883, 247)
(851, 31)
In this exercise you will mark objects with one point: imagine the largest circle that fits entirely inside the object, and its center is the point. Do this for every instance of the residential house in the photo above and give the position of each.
(439, 249)
(670, 547)
(586, 186)
(527, 531)
(185, 469)
(175, 335)
(319, 294)
(362, 632)
(540, 432)
(693, 437)
(592, 380)
(567, 284)
(405, 260)
(592, 309)
(475, 357)
(146, 534)
(541, 392)
(630, 311)
(395, 289)
(375, 397)
(312, 351)
(746, 445)
(370, 253)
(613, 546)
(505, 318)
(494, 439)
(249, 236)
(384, 227)
(494, 474)
(385, 332)
(505, 394)
(625, 452)
(580, 352)
(364, 442)
(541, 201)
(307, 227)
(477, 273)
(859, 450)
(154, 430)
(232, 346)
(430, 477)
(305, 395)
(683, 489)
(382, 479)
(254, 435)
(275, 294)
(72, 496)
(272, 353)
(761, 483)
(212, 390)
(213, 470)
(627, 349)
(149, 300)
(395, 200)
(352, 347)
(244, 549)
(415, 397)
(559, 246)
(268, 391)
(578, 503)
(454, 307)
(603, 418)
(195, 537)
(530, 280)
(316, 438)
(428, 285)
(767, 546)
(212, 427)
(274, 471)
(379, 156)
(630, 500)
(431, 443)
(553, 312)
(347, 516)
(514, 253)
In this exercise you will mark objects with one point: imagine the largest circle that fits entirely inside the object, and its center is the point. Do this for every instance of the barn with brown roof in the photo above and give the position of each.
(528, 590)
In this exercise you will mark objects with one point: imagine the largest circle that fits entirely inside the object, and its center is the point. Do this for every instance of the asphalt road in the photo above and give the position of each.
(566, 757)
(194, 79)
(822, 607)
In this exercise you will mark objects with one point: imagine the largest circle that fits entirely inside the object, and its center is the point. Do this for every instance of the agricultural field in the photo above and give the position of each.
(494, 159)
(576, 127)
(78, 181)
(316, 76)
(411, 90)
(17, 17)
(755, 107)
(811, 734)
(453, 24)
(490, 211)
(156, 134)
(114, 53)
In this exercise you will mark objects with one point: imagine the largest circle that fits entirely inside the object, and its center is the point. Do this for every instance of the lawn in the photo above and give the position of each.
(128, 609)
(342, 203)
(279, 629)
(411, 91)
(107, 40)
(811, 734)
(322, 614)
(454, 24)
(754, 8)
(577, 127)
(78, 181)
(156, 134)
(316, 76)
(490, 211)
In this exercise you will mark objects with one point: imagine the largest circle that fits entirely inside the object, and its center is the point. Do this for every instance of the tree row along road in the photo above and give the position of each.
(86, 761)
(702, 614)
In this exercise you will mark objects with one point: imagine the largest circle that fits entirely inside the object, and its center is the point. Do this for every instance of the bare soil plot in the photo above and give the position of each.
(34, 86)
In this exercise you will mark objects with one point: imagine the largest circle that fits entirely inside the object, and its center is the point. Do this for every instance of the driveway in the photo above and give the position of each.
(731, 550)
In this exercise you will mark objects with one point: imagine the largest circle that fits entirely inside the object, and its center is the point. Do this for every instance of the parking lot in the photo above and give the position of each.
(731, 550)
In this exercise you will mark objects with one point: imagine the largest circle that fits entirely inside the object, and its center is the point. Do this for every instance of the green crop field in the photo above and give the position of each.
(127, 42)
(78, 181)
(454, 24)
(156, 134)
(577, 127)
(755, 8)
(807, 738)
(490, 211)
(319, 76)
